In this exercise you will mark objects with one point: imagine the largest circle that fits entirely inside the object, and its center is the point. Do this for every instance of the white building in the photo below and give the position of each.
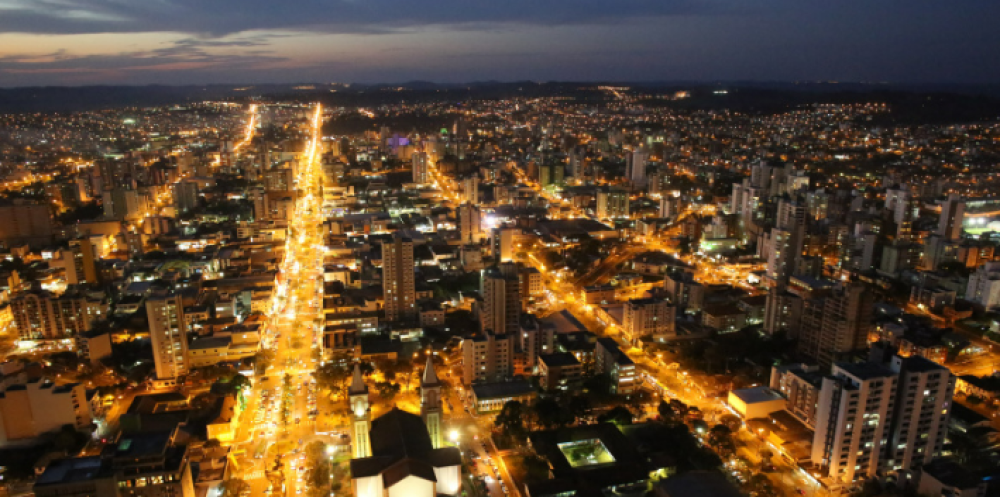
(984, 285)
(404, 462)
(852, 422)
(30, 408)
(647, 317)
(923, 408)
(168, 334)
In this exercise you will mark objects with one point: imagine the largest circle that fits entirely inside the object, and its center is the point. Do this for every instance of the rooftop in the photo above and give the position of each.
(514, 388)
(757, 394)
(74, 469)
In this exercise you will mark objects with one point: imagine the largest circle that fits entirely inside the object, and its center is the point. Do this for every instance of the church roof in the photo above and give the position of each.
(407, 467)
(400, 434)
(401, 446)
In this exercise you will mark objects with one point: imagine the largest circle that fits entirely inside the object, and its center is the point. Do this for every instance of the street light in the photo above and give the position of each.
(453, 436)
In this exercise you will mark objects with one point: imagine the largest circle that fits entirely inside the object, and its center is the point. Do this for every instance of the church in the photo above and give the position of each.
(400, 454)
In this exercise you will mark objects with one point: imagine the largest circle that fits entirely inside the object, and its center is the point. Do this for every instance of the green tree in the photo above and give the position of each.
(550, 414)
(387, 390)
(667, 413)
(619, 416)
(720, 439)
(510, 419)
(680, 408)
(234, 487)
(333, 376)
(317, 464)
(578, 406)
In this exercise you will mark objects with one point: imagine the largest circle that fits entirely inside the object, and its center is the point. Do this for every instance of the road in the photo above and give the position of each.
(278, 412)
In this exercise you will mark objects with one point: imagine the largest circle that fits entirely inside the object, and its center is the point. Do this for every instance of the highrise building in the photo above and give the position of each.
(185, 196)
(487, 357)
(421, 171)
(612, 203)
(836, 324)
(30, 408)
(470, 189)
(398, 287)
(952, 216)
(123, 204)
(261, 207)
(469, 223)
(361, 416)
(636, 166)
(817, 204)
(502, 239)
(501, 288)
(535, 339)
(168, 333)
(647, 317)
(80, 262)
(984, 285)
(800, 385)
(25, 222)
(430, 404)
(39, 314)
(552, 173)
(852, 422)
(786, 242)
(923, 407)
(279, 180)
(782, 312)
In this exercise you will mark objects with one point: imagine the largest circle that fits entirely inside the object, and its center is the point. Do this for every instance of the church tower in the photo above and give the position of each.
(361, 415)
(430, 403)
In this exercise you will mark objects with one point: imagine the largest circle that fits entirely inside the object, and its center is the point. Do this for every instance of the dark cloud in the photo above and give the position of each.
(219, 17)
(873, 40)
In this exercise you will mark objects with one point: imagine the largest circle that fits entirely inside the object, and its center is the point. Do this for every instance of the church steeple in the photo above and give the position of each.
(357, 383)
(430, 377)
(361, 414)
(430, 403)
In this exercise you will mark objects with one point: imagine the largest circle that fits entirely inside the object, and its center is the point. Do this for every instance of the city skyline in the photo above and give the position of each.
(84, 42)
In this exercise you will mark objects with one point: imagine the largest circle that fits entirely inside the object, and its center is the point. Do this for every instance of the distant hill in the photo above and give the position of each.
(910, 103)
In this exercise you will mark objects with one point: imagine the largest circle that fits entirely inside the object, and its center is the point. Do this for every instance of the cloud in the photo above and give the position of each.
(187, 55)
(220, 17)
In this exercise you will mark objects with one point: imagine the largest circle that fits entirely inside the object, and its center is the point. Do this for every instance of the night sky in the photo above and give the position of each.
(79, 42)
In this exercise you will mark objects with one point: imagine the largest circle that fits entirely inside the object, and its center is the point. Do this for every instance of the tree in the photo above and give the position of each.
(578, 407)
(335, 377)
(239, 382)
(667, 413)
(679, 407)
(720, 438)
(599, 385)
(263, 360)
(731, 421)
(317, 464)
(550, 414)
(234, 487)
(387, 390)
(619, 416)
(510, 419)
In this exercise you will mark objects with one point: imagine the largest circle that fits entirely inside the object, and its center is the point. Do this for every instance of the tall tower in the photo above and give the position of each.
(361, 413)
(952, 215)
(501, 311)
(397, 279)
(430, 403)
(470, 222)
(168, 333)
(420, 174)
